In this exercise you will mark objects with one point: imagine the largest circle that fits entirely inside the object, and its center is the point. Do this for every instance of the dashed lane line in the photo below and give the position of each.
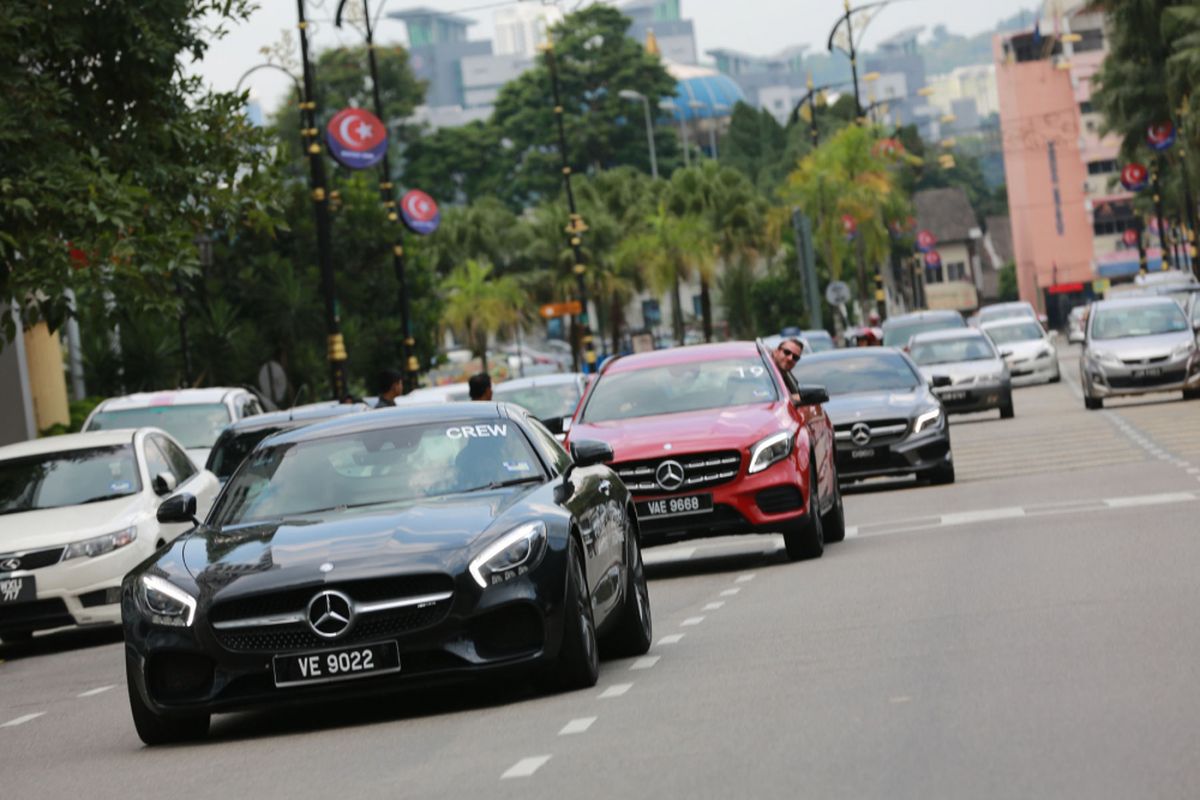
(96, 691)
(577, 726)
(525, 767)
(673, 638)
(645, 662)
(745, 578)
(713, 606)
(616, 690)
(691, 621)
(12, 723)
(730, 592)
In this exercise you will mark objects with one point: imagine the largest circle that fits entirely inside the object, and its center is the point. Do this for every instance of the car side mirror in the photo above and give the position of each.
(1005, 353)
(940, 381)
(180, 508)
(555, 424)
(164, 483)
(812, 396)
(588, 453)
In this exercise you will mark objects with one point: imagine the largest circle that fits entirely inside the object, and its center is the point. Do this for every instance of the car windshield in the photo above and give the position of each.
(1139, 320)
(232, 449)
(677, 388)
(543, 402)
(818, 342)
(898, 334)
(72, 478)
(852, 374)
(994, 314)
(377, 467)
(194, 425)
(950, 351)
(1006, 334)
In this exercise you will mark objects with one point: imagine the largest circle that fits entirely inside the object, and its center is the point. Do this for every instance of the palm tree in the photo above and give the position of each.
(668, 250)
(478, 304)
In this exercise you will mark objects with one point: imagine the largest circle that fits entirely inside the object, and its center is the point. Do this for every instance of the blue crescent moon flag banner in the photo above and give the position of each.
(1160, 137)
(419, 212)
(1134, 177)
(356, 138)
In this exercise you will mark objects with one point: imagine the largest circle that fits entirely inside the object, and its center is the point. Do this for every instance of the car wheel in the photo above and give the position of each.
(1057, 376)
(15, 637)
(635, 628)
(942, 475)
(1006, 410)
(1092, 403)
(1191, 394)
(805, 538)
(833, 523)
(578, 662)
(154, 729)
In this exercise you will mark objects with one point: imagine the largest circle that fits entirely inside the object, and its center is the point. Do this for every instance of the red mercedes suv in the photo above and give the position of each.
(710, 441)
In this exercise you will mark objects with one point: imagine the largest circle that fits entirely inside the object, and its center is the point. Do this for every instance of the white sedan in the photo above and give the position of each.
(77, 512)
(1027, 349)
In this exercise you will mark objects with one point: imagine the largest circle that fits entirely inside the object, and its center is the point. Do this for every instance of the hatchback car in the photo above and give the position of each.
(899, 329)
(711, 442)
(888, 421)
(979, 379)
(77, 512)
(195, 417)
(1027, 349)
(1137, 346)
(997, 312)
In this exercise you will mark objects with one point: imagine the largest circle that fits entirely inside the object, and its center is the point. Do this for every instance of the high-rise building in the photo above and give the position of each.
(521, 28)
(775, 82)
(675, 35)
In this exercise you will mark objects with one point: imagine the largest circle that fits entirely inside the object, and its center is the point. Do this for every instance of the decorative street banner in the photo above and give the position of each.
(926, 241)
(1160, 137)
(1130, 237)
(849, 227)
(1134, 177)
(356, 137)
(419, 212)
(933, 259)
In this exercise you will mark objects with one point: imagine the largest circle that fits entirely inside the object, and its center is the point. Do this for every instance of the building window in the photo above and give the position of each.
(1110, 227)
(1105, 167)
(1086, 107)
(933, 274)
(956, 271)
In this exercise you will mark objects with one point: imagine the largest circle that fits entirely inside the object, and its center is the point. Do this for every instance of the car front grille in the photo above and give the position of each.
(883, 431)
(34, 560)
(298, 636)
(296, 599)
(1130, 382)
(700, 471)
(1136, 362)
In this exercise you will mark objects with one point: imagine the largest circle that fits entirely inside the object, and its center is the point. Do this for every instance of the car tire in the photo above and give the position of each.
(1191, 394)
(1092, 403)
(805, 538)
(833, 523)
(154, 729)
(578, 662)
(1057, 376)
(16, 637)
(1006, 410)
(634, 632)
(942, 475)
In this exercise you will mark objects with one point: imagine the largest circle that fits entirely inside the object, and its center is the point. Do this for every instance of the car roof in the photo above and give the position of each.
(1130, 302)
(680, 355)
(382, 418)
(554, 379)
(1006, 305)
(70, 441)
(170, 397)
(1010, 322)
(917, 316)
(300, 415)
(850, 352)
(950, 333)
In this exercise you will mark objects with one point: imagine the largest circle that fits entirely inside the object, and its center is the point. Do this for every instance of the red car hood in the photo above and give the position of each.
(736, 428)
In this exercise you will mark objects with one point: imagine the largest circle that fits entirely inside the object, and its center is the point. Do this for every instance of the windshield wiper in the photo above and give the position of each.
(103, 497)
(504, 484)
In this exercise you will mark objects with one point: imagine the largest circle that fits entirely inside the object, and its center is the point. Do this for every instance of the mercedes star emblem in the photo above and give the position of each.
(669, 475)
(860, 434)
(330, 614)
(10, 564)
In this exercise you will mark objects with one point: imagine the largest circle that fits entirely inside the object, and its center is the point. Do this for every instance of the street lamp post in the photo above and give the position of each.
(387, 197)
(810, 97)
(630, 94)
(851, 47)
(672, 106)
(335, 344)
(582, 349)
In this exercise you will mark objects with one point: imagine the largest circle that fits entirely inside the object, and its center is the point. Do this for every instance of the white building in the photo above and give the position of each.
(522, 27)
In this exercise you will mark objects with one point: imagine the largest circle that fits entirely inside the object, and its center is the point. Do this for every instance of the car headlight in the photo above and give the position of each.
(930, 419)
(1183, 350)
(99, 545)
(1105, 358)
(775, 447)
(166, 603)
(513, 554)
(1045, 352)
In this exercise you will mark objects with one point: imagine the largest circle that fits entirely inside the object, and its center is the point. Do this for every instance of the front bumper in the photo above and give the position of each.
(966, 398)
(1036, 370)
(512, 626)
(915, 454)
(1109, 380)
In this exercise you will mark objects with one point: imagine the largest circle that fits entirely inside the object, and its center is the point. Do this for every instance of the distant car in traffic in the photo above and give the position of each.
(1138, 345)
(815, 340)
(77, 512)
(1076, 323)
(979, 377)
(997, 312)
(399, 547)
(195, 417)
(899, 329)
(239, 438)
(551, 399)
(1027, 349)
(710, 442)
(887, 420)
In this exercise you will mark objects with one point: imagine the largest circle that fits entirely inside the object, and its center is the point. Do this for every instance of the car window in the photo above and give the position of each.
(194, 425)
(181, 466)
(898, 334)
(232, 448)
(250, 407)
(865, 372)
(74, 477)
(543, 402)
(1140, 320)
(1006, 334)
(676, 388)
(949, 351)
(549, 447)
(156, 459)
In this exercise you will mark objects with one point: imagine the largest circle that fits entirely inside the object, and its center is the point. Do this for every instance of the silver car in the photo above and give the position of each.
(1137, 346)
(979, 378)
(1027, 349)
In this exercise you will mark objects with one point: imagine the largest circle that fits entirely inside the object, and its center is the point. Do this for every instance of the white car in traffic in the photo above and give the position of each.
(78, 512)
(1027, 349)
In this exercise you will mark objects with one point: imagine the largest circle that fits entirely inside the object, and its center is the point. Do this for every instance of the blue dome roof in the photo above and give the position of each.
(705, 97)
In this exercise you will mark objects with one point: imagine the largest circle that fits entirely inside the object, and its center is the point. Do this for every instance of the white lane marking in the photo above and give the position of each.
(985, 515)
(616, 690)
(731, 592)
(645, 662)
(713, 606)
(691, 621)
(96, 691)
(851, 531)
(525, 767)
(12, 723)
(1149, 500)
(749, 576)
(671, 639)
(900, 699)
(1193, 470)
(577, 726)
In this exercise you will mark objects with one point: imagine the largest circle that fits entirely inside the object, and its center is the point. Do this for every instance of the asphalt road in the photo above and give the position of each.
(1031, 631)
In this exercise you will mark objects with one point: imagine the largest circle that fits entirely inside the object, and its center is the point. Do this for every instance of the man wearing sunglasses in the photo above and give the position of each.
(787, 356)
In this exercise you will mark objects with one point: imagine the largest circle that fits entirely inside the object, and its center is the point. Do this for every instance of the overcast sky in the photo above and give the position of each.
(753, 26)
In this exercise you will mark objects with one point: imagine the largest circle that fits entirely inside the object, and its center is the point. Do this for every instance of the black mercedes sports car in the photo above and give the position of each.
(400, 547)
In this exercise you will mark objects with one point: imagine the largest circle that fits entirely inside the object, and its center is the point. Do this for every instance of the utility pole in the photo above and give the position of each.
(311, 134)
(1163, 244)
(387, 197)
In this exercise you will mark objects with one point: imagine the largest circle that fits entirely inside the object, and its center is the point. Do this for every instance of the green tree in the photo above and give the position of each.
(460, 164)
(115, 156)
(478, 304)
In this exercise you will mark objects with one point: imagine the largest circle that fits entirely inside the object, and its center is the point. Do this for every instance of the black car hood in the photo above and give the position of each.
(867, 406)
(354, 542)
